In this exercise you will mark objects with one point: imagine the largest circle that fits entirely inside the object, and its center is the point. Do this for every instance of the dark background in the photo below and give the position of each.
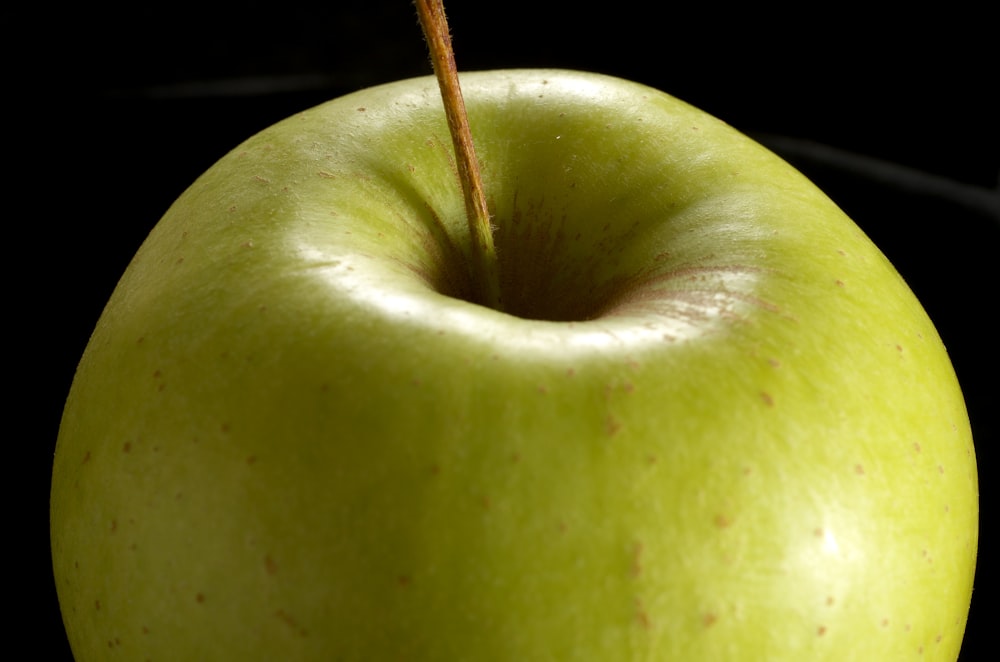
(117, 111)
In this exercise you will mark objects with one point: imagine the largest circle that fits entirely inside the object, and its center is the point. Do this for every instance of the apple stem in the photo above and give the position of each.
(486, 274)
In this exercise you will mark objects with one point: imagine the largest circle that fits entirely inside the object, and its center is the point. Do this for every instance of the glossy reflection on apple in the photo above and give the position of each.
(711, 422)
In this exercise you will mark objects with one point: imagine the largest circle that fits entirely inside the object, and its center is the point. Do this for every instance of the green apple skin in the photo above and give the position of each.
(714, 423)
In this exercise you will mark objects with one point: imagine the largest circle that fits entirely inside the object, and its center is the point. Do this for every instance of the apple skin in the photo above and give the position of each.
(714, 423)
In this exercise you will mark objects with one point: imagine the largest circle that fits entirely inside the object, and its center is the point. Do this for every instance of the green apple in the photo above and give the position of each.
(711, 422)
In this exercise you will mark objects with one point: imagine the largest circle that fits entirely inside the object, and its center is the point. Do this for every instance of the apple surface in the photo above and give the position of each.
(710, 423)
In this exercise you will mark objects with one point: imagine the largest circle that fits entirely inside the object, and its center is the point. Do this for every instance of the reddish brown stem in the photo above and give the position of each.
(485, 274)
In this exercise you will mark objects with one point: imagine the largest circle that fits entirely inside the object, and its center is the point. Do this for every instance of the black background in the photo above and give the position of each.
(117, 111)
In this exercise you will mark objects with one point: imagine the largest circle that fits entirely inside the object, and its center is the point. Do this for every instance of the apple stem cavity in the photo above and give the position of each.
(486, 278)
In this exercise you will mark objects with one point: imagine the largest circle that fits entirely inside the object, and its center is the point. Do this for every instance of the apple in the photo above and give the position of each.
(710, 422)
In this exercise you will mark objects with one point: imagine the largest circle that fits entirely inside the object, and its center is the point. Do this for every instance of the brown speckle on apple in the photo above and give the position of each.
(641, 615)
(286, 618)
(636, 568)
